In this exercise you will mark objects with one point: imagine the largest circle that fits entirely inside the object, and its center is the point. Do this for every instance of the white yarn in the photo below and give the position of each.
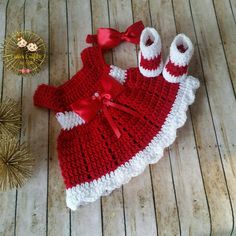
(181, 58)
(150, 73)
(91, 191)
(151, 51)
(171, 78)
(118, 73)
(69, 119)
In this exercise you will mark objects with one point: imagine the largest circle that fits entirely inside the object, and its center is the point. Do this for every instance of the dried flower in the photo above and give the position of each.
(25, 71)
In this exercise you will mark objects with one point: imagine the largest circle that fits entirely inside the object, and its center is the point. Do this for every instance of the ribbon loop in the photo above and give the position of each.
(88, 108)
(107, 38)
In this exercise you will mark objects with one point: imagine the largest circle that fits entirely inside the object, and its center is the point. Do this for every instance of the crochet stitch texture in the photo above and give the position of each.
(93, 160)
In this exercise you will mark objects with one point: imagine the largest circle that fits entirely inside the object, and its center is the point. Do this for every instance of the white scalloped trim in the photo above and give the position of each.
(90, 192)
(181, 58)
(153, 50)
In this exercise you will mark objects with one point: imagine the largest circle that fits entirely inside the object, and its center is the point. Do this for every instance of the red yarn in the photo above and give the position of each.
(89, 151)
(175, 69)
(152, 64)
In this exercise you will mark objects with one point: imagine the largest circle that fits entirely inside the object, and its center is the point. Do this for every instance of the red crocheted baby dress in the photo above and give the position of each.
(115, 122)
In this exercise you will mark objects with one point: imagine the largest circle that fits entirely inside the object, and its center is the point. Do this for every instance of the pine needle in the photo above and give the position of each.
(16, 163)
(10, 118)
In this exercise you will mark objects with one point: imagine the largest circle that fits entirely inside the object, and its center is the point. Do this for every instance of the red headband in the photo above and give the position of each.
(108, 38)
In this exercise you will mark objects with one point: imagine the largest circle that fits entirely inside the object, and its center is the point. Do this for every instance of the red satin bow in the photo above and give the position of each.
(89, 107)
(108, 38)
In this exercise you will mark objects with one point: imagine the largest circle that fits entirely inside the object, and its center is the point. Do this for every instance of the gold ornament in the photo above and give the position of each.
(16, 163)
(10, 118)
(24, 53)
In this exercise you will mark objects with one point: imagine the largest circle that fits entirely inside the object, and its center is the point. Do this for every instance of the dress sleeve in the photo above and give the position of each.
(150, 59)
(48, 97)
(59, 98)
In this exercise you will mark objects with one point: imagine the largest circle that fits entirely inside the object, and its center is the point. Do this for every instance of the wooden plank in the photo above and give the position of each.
(163, 189)
(186, 170)
(233, 8)
(226, 23)
(214, 69)
(15, 21)
(100, 13)
(112, 205)
(221, 97)
(11, 86)
(164, 195)
(120, 18)
(3, 6)
(139, 207)
(168, 211)
(32, 198)
(58, 214)
(190, 193)
(79, 25)
(141, 11)
(138, 197)
(183, 156)
(207, 147)
(87, 220)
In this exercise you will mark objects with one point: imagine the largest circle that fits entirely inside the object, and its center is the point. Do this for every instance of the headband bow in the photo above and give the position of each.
(108, 38)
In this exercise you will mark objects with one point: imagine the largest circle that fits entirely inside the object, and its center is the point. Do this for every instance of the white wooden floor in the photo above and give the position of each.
(192, 190)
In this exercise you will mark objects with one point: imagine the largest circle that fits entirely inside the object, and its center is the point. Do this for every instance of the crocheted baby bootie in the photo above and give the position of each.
(150, 60)
(176, 66)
